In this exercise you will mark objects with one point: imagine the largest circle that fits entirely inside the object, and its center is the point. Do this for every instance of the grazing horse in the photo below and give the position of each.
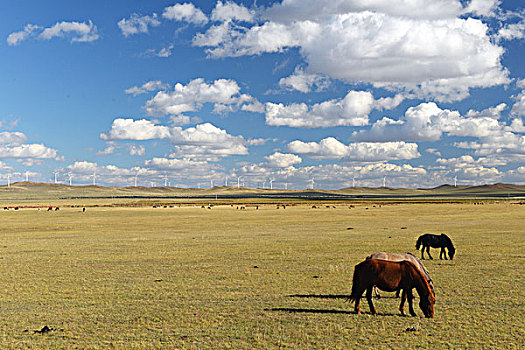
(436, 241)
(391, 276)
(401, 257)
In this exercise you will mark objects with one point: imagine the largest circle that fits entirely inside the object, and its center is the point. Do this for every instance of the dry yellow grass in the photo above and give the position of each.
(225, 278)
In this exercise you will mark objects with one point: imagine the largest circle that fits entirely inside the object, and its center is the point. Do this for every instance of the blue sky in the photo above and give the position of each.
(193, 93)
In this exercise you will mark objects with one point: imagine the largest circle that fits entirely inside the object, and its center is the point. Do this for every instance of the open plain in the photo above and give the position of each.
(191, 277)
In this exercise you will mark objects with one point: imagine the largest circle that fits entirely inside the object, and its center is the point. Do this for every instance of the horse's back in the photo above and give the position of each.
(385, 274)
(385, 256)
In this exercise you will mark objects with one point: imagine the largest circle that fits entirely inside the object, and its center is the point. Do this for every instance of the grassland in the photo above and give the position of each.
(138, 277)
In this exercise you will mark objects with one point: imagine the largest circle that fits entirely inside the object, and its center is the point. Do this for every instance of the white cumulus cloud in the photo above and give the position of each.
(331, 148)
(352, 110)
(15, 137)
(137, 24)
(185, 12)
(34, 150)
(149, 86)
(15, 38)
(206, 141)
(231, 11)
(223, 93)
(79, 31)
(428, 122)
(304, 82)
(129, 129)
(282, 160)
(421, 47)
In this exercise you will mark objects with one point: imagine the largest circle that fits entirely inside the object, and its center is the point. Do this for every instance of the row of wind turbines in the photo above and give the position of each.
(168, 184)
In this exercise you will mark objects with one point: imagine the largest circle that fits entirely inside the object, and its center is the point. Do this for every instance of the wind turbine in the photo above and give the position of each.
(226, 182)
(271, 184)
(239, 182)
(353, 181)
(313, 182)
(136, 175)
(70, 177)
(211, 183)
(8, 180)
(95, 177)
(384, 181)
(55, 173)
(455, 181)
(27, 177)
(165, 180)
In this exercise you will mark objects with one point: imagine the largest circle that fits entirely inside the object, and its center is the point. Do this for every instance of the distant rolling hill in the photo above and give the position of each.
(40, 191)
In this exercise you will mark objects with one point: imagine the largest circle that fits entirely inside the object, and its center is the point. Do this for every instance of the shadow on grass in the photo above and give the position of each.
(335, 296)
(326, 311)
(313, 311)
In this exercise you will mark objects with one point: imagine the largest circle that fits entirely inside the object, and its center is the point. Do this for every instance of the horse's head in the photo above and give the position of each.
(451, 252)
(427, 305)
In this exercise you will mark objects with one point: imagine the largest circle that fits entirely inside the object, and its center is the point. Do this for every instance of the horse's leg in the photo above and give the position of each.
(397, 293)
(357, 300)
(428, 252)
(410, 297)
(370, 304)
(423, 252)
(444, 253)
(402, 304)
(356, 307)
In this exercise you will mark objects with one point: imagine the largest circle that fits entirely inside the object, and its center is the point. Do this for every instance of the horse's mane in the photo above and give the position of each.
(425, 271)
(421, 276)
(449, 241)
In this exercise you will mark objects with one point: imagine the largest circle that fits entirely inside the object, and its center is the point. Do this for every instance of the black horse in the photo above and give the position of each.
(436, 241)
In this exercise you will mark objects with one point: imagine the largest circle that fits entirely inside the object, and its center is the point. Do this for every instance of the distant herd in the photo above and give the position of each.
(400, 272)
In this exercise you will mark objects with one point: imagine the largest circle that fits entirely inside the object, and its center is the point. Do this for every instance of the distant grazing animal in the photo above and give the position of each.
(57, 208)
(391, 276)
(83, 209)
(6, 208)
(401, 257)
(436, 241)
(50, 208)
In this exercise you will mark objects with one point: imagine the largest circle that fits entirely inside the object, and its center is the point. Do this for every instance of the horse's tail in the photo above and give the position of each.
(419, 242)
(355, 285)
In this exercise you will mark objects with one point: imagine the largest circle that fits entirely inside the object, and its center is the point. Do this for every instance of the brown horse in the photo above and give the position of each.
(391, 276)
(401, 257)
